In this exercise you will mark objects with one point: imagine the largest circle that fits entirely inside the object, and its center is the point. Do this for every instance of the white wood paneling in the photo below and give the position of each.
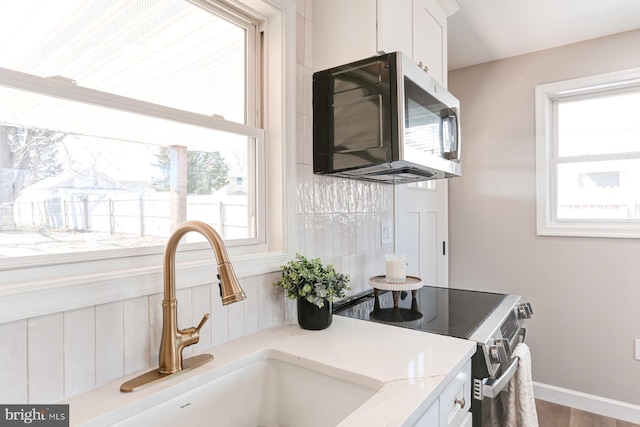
(45, 358)
(219, 318)
(13, 369)
(250, 305)
(109, 342)
(79, 350)
(201, 304)
(136, 335)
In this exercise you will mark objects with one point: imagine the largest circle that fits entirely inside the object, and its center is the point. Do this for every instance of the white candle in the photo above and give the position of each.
(395, 267)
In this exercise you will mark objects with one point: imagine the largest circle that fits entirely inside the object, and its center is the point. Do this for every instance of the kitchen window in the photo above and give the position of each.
(588, 156)
(120, 120)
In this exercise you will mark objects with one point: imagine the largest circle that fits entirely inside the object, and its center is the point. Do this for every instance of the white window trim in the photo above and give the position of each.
(546, 158)
(33, 290)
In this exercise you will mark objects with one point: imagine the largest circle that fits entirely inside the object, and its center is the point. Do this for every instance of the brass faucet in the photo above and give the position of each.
(174, 340)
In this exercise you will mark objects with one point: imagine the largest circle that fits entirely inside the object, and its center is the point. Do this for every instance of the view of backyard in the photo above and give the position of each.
(67, 193)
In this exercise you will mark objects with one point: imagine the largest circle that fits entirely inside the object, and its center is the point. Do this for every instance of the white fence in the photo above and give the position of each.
(148, 215)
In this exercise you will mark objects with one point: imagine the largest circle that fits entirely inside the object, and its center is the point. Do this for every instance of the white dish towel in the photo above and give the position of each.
(515, 405)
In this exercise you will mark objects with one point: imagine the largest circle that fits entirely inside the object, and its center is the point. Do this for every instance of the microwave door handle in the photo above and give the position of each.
(454, 135)
(452, 122)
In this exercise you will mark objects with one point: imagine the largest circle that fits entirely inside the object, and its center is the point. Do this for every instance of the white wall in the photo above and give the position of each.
(585, 291)
(48, 358)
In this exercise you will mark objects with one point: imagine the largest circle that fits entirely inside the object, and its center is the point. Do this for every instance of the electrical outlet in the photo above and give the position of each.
(386, 236)
(637, 349)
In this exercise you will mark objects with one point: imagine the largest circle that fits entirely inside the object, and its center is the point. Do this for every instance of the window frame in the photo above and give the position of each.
(63, 282)
(546, 98)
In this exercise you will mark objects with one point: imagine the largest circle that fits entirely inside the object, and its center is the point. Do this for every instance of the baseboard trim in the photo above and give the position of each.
(588, 402)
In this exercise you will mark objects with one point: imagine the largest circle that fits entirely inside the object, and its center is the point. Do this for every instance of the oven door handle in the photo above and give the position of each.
(492, 387)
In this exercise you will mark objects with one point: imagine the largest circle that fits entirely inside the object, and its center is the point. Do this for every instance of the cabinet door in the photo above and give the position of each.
(429, 38)
(343, 32)
(455, 401)
(431, 418)
(395, 32)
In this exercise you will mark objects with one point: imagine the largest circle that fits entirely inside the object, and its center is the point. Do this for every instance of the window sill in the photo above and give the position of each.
(582, 229)
(48, 294)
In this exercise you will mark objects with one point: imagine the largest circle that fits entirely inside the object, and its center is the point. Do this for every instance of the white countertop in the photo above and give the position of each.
(414, 368)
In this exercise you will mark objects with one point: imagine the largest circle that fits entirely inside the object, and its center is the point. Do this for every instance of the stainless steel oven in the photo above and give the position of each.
(494, 321)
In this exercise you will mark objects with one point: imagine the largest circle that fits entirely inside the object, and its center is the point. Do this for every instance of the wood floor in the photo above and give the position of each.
(554, 415)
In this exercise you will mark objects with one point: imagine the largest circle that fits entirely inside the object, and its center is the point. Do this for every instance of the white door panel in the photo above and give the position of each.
(421, 230)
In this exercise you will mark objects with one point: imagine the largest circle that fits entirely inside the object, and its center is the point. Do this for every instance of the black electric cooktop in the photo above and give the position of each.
(445, 311)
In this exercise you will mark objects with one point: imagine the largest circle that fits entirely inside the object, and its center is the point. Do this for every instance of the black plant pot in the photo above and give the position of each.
(312, 317)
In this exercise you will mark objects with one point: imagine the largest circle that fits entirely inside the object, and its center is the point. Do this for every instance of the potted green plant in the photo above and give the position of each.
(315, 287)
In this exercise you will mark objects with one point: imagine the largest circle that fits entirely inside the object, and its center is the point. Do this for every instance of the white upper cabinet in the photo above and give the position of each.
(346, 31)
(430, 38)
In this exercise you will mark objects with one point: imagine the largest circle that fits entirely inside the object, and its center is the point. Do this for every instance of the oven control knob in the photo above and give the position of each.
(499, 352)
(525, 311)
(494, 355)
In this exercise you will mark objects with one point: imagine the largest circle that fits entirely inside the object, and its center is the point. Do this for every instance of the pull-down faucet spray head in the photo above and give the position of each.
(230, 289)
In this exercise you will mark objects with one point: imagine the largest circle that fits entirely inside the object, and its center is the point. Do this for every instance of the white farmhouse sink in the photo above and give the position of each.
(269, 388)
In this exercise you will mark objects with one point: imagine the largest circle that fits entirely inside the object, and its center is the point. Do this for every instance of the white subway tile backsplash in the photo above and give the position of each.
(336, 239)
(308, 43)
(309, 237)
(300, 139)
(109, 342)
(351, 230)
(299, 87)
(45, 361)
(344, 234)
(355, 274)
(300, 32)
(13, 369)
(79, 350)
(360, 233)
(321, 200)
(319, 237)
(308, 87)
(329, 236)
(302, 188)
(300, 232)
(307, 154)
(307, 189)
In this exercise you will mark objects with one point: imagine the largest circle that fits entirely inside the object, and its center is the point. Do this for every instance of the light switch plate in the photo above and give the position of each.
(386, 233)
(637, 349)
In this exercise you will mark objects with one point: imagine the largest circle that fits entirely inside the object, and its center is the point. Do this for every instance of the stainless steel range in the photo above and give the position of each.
(494, 321)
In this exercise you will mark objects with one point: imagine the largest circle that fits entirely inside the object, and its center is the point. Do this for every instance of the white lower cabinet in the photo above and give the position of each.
(452, 407)
(468, 420)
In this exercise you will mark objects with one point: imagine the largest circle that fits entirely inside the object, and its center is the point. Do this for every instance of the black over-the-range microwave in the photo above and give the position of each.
(384, 119)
